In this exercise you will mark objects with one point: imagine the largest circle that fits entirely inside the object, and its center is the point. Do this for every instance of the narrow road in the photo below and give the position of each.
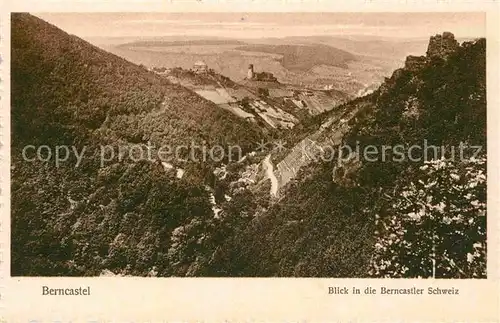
(270, 174)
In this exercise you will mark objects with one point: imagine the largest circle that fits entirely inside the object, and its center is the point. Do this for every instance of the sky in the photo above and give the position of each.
(258, 25)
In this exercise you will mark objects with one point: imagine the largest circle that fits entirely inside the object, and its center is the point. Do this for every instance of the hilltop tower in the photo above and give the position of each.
(250, 73)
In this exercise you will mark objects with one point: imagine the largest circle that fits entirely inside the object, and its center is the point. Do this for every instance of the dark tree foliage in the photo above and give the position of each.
(119, 216)
(136, 218)
(323, 227)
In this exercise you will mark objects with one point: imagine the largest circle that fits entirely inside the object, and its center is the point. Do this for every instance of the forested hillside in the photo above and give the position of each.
(347, 217)
(65, 82)
(391, 217)
(119, 216)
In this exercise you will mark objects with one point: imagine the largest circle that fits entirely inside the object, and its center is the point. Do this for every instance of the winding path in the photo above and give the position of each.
(270, 174)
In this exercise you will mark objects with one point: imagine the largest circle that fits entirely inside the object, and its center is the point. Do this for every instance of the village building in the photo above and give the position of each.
(200, 67)
(161, 70)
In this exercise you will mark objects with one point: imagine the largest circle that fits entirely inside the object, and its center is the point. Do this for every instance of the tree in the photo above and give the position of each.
(263, 92)
(436, 225)
(245, 103)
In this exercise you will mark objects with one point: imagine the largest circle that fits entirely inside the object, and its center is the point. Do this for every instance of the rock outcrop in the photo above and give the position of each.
(442, 45)
(415, 63)
(389, 82)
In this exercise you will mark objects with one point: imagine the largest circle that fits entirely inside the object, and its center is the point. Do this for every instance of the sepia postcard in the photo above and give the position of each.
(204, 161)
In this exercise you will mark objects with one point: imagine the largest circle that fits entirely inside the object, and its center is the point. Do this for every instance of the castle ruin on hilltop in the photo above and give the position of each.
(262, 76)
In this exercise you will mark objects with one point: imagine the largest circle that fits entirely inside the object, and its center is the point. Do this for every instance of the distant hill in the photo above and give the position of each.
(304, 57)
(195, 42)
(360, 45)
(314, 64)
(120, 215)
